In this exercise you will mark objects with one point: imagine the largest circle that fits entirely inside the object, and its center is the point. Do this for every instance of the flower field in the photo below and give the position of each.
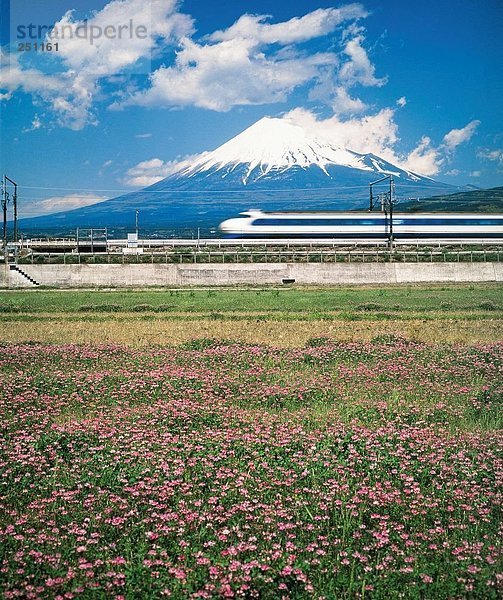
(221, 470)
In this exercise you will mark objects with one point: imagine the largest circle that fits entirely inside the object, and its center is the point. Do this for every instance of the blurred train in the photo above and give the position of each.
(363, 225)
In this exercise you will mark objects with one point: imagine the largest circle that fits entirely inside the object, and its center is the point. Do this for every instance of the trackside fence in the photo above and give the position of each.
(253, 254)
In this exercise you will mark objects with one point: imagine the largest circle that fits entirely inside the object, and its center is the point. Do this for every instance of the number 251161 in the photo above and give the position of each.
(37, 47)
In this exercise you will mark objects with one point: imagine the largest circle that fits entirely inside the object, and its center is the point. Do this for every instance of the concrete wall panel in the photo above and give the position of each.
(253, 274)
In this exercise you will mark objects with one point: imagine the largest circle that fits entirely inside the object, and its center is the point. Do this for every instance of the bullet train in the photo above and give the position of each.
(363, 225)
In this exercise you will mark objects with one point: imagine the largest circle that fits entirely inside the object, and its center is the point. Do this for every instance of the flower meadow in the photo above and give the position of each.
(225, 470)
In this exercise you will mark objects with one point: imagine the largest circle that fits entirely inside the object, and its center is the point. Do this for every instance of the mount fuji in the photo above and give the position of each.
(273, 165)
(276, 151)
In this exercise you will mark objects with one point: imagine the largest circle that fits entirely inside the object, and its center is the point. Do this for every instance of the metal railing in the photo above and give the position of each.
(269, 255)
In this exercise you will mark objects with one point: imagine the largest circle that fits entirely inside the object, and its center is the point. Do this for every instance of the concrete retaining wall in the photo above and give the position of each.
(254, 274)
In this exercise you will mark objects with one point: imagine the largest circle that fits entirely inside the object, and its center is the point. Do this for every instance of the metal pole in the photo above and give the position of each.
(136, 221)
(391, 210)
(4, 209)
(14, 201)
(15, 216)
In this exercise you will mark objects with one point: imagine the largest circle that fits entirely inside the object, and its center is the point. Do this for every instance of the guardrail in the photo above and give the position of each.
(221, 243)
(270, 255)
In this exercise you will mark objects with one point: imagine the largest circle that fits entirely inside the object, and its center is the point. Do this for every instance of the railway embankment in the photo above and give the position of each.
(215, 274)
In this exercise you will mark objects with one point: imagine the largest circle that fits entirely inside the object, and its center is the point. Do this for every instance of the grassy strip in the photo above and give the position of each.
(363, 299)
(136, 316)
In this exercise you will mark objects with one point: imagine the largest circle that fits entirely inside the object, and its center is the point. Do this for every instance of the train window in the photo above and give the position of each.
(365, 222)
(469, 222)
(316, 222)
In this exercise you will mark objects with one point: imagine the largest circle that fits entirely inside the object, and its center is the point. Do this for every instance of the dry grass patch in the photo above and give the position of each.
(293, 333)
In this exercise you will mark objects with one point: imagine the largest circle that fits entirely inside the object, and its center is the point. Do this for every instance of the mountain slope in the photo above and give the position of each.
(487, 201)
(272, 165)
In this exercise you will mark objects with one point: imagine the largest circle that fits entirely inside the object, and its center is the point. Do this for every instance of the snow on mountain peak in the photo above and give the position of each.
(274, 144)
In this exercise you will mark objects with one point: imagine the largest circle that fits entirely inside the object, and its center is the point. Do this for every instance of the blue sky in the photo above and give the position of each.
(418, 83)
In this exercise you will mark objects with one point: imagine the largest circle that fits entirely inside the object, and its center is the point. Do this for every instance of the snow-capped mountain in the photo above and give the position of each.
(272, 165)
(275, 149)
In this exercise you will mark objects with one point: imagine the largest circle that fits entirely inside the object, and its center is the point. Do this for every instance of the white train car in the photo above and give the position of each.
(364, 225)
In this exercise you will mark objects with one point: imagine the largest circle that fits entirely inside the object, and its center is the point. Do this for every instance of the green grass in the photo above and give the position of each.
(402, 299)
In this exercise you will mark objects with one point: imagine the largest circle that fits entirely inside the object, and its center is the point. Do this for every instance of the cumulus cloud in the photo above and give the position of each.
(63, 94)
(352, 68)
(14, 77)
(455, 137)
(151, 171)
(401, 101)
(230, 73)
(256, 62)
(83, 62)
(299, 29)
(424, 159)
(343, 103)
(110, 54)
(378, 133)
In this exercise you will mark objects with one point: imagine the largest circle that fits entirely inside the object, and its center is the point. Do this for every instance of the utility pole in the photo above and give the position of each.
(136, 221)
(387, 202)
(5, 202)
(391, 202)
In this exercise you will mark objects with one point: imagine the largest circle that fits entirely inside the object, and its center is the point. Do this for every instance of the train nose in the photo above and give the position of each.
(229, 226)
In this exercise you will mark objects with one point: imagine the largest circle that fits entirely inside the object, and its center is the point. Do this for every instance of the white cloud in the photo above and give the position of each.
(424, 159)
(251, 62)
(61, 92)
(493, 155)
(299, 29)
(358, 69)
(453, 172)
(14, 77)
(343, 103)
(455, 137)
(143, 135)
(255, 62)
(378, 134)
(375, 133)
(72, 92)
(90, 59)
(151, 171)
(401, 101)
(230, 73)
(475, 173)
(62, 203)
(349, 69)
